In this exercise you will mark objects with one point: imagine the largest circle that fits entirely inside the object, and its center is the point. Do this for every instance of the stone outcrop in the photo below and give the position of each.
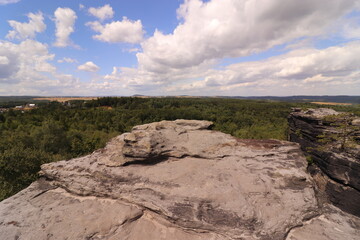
(340, 166)
(177, 180)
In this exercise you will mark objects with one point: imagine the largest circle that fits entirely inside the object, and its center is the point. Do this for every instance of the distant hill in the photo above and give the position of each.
(304, 98)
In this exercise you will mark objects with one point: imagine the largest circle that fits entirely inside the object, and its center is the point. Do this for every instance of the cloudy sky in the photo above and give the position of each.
(173, 47)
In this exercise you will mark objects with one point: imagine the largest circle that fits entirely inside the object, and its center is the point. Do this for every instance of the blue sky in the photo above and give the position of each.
(173, 47)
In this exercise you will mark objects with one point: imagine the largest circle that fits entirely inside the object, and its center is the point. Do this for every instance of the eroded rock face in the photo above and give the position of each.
(171, 180)
(341, 166)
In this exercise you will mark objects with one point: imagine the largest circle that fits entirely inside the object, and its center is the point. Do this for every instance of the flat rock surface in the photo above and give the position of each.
(172, 180)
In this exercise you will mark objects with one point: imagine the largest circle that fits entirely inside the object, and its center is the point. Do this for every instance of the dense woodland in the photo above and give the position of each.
(56, 131)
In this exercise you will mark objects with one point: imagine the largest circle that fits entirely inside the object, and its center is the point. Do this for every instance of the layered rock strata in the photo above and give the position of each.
(177, 180)
(339, 165)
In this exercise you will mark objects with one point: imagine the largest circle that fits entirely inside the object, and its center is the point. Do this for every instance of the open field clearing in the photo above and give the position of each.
(332, 103)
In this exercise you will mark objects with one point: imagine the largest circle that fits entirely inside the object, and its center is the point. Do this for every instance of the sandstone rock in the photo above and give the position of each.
(173, 180)
(332, 225)
(153, 142)
(342, 166)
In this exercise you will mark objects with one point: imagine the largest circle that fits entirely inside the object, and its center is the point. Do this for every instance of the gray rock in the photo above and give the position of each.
(319, 113)
(171, 180)
(342, 166)
(356, 122)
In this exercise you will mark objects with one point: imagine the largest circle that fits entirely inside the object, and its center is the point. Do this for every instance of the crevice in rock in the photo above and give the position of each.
(41, 193)
(115, 227)
(152, 160)
(339, 181)
(308, 220)
(44, 186)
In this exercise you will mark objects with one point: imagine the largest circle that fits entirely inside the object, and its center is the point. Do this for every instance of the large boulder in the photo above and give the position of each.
(175, 180)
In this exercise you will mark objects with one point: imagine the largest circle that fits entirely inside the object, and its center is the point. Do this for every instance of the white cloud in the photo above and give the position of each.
(232, 28)
(89, 67)
(333, 70)
(4, 60)
(103, 13)
(351, 28)
(26, 68)
(81, 6)
(27, 30)
(134, 50)
(298, 69)
(4, 2)
(187, 60)
(64, 19)
(67, 60)
(126, 31)
(24, 62)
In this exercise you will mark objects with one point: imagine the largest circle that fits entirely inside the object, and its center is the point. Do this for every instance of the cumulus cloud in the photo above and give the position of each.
(64, 19)
(26, 68)
(230, 28)
(126, 31)
(88, 67)
(4, 60)
(8, 63)
(301, 71)
(27, 30)
(25, 61)
(304, 67)
(187, 60)
(4, 2)
(102, 13)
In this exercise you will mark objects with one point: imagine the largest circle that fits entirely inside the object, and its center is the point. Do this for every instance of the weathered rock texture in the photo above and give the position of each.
(176, 180)
(340, 166)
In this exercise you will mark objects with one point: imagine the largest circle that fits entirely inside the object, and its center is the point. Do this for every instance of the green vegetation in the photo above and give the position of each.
(343, 134)
(309, 160)
(55, 131)
(10, 102)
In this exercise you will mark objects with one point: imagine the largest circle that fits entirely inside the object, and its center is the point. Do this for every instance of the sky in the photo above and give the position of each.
(179, 47)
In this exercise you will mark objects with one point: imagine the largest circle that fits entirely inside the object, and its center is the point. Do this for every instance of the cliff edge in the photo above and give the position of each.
(332, 141)
(177, 180)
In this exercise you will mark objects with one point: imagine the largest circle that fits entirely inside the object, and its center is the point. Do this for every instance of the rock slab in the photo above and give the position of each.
(175, 180)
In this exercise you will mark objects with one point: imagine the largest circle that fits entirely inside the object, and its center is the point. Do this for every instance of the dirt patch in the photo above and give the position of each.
(332, 103)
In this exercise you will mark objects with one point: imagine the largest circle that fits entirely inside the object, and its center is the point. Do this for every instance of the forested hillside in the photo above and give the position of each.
(56, 131)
